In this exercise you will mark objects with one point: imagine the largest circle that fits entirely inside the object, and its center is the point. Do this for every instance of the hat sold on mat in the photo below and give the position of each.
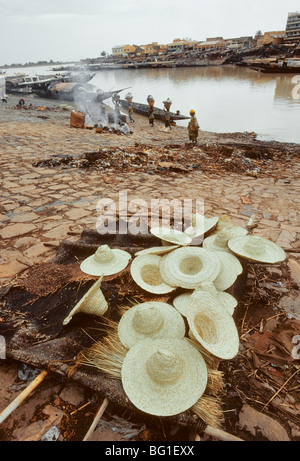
(92, 303)
(171, 235)
(163, 377)
(231, 268)
(183, 302)
(186, 267)
(200, 225)
(219, 240)
(105, 261)
(145, 271)
(152, 320)
(213, 327)
(255, 248)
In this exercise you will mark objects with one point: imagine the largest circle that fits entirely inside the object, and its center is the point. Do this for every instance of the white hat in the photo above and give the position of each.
(164, 377)
(150, 320)
(200, 225)
(188, 266)
(171, 235)
(231, 268)
(92, 303)
(257, 248)
(182, 302)
(219, 240)
(105, 261)
(212, 326)
(157, 250)
(145, 271)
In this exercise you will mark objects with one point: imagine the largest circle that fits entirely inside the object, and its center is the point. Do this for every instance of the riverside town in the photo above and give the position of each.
(149, 224)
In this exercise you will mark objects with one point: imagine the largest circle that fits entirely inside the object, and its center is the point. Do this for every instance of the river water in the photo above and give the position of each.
(226, 99)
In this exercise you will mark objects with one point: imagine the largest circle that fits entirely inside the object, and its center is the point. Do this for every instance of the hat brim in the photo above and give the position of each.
(182, 302)
(157, 250)
(231, 268)
(213, 327)
(92, 267)
(173, 325)
(98, 309)
(203, 225)
(273, 253)
(145, 271)
(163, 399)
(171, 235)
(189, 266)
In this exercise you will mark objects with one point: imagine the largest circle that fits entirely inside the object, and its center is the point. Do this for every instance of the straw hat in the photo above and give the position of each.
(157, 250)
(188, 266)
(182, 302)
(219, 240)
(150, 320)
(200, 225)
(105, 261)
(257, 248)
(171, 235)
(231, 268)
(92, 303)
(164, 377)
(145, 271)
(212, 326)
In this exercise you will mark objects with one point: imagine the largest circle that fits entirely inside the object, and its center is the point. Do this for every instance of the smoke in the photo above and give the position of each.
(87, 101)
(2, 88)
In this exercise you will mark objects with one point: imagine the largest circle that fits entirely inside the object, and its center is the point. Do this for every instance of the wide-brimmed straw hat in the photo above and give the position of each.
(92, 303)
(255, 248)
(145, 271)
(231, 268)
(171, 235)
(219, 240)
(186, 267)
(164, 377)
(150, 320)
(105, 261)
(157, 250)
(200, 225)
(183, 302)
(212, 326)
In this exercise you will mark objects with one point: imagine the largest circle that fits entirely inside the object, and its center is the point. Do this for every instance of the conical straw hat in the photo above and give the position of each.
(164, 377)
(92, 303)
(157, 250)
(213, 327)
(219, 240)
(150, 320)
(256, 248)
(188, 266)
(231, 268)
(171, 235)
(182, 302)
(145, 271)
(200, 225)
(105, 261)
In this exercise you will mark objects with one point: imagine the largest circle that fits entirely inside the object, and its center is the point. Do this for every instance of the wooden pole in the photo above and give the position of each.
(21, 397)
(221, 435)
(96, 419)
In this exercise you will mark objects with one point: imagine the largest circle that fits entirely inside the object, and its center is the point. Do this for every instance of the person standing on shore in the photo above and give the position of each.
(193, 127)
(151, 116)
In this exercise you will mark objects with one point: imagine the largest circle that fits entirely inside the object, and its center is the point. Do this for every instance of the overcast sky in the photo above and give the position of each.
(66, 30)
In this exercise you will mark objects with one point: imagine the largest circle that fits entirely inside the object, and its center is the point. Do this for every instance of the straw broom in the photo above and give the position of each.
(108, 354)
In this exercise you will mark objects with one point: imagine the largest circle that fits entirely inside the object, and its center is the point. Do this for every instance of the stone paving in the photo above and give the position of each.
(42, 206)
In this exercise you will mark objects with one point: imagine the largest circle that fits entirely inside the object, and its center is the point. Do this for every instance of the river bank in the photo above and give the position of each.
(52, 178)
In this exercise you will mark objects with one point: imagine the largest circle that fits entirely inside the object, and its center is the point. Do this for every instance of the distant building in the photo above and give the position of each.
(292, 32)
(271, 38)
(123, 49)
(182, 44)
(240, 42)
(211, 45)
